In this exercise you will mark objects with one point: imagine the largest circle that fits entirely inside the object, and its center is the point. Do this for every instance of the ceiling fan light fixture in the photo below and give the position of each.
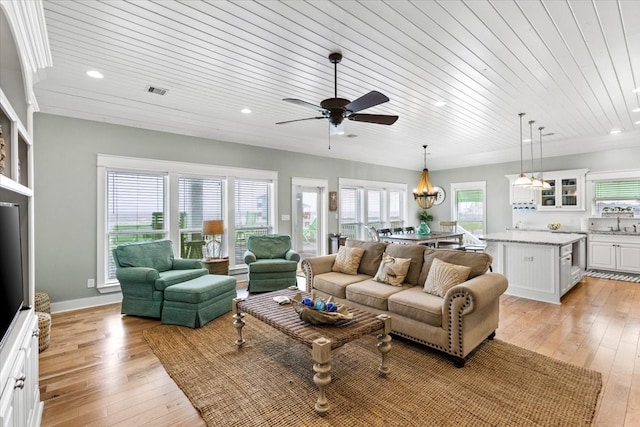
(336, 129)
(423, 194)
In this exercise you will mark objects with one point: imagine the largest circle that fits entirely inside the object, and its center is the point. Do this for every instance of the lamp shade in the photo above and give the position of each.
(213, 227)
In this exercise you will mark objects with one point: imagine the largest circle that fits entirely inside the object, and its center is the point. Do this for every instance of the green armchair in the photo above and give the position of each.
(145, 270)
(271, 261)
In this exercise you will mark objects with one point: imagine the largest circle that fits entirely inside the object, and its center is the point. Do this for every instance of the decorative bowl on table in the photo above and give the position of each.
(554, 226)
(329, 313)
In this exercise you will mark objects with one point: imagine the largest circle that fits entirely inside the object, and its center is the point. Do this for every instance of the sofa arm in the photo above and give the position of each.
(316, 265)
(479, 291)
(292, 255)
(186, 264)
(249, 257)
(133, 275)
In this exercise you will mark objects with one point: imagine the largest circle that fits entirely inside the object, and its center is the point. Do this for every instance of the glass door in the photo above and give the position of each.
(569, 192)
(307, 239)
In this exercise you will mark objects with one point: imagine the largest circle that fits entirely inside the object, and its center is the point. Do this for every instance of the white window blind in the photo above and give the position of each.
(136, 210)
(617, 190)
(349, 211)
(199, 199)
(374, 208)
(252, 212)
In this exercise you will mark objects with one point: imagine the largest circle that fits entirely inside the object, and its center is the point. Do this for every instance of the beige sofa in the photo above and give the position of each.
(456, 323)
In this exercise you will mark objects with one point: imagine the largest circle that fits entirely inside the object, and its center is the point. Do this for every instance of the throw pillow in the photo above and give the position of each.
(348, 260)
(392, 271)
(443, 276)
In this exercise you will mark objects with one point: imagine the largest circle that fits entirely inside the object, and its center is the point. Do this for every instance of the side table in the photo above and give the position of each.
(217, 265)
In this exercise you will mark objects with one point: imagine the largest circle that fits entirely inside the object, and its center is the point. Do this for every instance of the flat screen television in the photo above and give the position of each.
(11, 286)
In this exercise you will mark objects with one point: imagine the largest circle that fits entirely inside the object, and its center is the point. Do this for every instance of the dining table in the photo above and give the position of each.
(421, 239)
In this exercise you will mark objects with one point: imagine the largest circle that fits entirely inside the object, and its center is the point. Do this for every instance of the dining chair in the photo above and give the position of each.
(449, 227)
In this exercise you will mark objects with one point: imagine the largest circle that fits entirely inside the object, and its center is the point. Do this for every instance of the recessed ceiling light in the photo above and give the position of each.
(636, 110)
(440, 104)
(95, 74)
(615, 131)
(526, 140)
(245, 110)
(636, 90)
(637, 122)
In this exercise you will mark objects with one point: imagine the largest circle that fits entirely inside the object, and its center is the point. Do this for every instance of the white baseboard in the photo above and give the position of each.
(77, 304)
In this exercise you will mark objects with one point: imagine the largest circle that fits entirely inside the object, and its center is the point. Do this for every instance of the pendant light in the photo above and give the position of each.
(536, 184)
(522, 180)
(424, 194)
(545, 184)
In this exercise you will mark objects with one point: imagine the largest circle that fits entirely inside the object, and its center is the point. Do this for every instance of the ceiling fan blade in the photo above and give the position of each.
(380, 119)
(369, 100)
(304, 104)
(299, 120)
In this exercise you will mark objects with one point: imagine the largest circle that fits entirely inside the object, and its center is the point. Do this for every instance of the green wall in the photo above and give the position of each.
(65, 151)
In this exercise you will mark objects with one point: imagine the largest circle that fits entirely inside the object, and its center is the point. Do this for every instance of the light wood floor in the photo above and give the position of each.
(99, 370)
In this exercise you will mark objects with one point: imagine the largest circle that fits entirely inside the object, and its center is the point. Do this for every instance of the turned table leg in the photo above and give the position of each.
(238, 320)
(321, 354)
(384, 343)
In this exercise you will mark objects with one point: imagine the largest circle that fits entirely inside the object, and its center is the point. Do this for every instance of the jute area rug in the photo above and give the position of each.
(268, 382)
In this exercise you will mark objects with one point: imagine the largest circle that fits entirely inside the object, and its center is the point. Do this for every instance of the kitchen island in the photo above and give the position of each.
(539, 265)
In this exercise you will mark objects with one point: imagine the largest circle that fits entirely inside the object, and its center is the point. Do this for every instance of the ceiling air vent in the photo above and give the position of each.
(157, 90)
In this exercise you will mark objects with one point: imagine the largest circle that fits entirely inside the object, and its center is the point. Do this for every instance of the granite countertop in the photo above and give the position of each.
(534, 237)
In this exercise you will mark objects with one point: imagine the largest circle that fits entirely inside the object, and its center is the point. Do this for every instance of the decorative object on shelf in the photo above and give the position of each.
(213, 229)
(333, 200)
(423, 230)
(522, 180)
(617, 212)
(441, 195)
(318, 312)
(424, 194)
(554, 226)
(3, 154)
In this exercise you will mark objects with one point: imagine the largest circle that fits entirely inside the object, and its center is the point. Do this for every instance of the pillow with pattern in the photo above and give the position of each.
(392, 271)
(348, 260)
(444, 276)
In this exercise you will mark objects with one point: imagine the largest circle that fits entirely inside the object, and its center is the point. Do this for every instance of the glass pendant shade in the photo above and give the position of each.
(424, 194)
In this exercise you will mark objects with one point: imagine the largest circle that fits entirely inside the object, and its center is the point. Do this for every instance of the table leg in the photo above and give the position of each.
(238, 320)
(321, 354)
(384, 343)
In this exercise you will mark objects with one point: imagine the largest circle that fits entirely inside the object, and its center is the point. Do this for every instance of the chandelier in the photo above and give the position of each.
(423, 193)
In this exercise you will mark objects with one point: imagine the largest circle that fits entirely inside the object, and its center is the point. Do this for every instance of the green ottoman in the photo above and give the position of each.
(198, 301)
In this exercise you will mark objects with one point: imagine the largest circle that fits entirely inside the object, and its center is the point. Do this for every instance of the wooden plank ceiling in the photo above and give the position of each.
(572, 66)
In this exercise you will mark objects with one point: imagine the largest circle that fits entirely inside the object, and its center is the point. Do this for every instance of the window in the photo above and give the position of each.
(378, 204)
(469, 209)
(199, 199)
(615, 195)
(136, 210)
(145, 199)
(252, 212)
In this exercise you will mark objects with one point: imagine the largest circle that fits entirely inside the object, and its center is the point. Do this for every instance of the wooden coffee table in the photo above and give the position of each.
(321, 339)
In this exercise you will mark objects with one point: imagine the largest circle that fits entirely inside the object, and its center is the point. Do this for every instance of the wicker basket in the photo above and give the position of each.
(43, 304)
(316, 317)
(44, 325)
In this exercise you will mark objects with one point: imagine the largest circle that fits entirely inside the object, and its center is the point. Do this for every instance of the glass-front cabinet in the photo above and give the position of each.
(566, 190)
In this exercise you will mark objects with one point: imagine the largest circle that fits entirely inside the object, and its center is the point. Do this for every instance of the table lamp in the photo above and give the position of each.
(213, 229)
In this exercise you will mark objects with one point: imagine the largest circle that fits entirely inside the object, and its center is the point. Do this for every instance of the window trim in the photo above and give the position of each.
(174, 170)
(471, 185)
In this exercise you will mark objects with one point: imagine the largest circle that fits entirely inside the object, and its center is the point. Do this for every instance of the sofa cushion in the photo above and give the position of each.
(443, 276)
(171, 277)
(336, 283)
(418, 305)
(277, 265)
(392, 271)
(372, 255)
(371, 293)
(156, 254)
(478, 261)
(347, 260)
(415, 253)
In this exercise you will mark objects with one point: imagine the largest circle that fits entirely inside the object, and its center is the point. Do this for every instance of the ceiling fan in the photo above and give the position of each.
(337, 109)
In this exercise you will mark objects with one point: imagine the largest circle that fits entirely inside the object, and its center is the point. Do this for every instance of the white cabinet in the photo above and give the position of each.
(567, 190)
(614, 252)
(20, 404)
